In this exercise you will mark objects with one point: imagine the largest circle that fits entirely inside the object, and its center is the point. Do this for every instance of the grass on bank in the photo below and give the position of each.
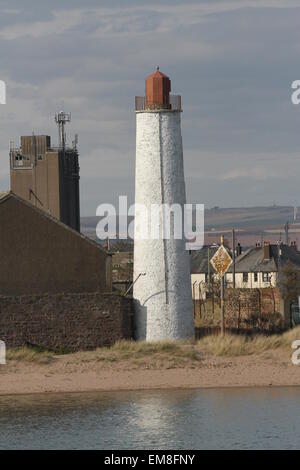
(30, 355)
(139, 353)
(175, 354)
(238, 345)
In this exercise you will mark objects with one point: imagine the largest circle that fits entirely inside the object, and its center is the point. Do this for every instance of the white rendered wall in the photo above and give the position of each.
(251, 284)
(163, 297)
(198, 281)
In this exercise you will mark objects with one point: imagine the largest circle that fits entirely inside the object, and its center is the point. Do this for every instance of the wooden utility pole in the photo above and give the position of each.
(194, 297)
(208, 267)
(222, 296)
(233, 258)
(286, 229)
(222, 306)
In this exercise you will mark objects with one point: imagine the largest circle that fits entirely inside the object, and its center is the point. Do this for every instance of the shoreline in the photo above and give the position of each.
(153, 389)
(67, 374)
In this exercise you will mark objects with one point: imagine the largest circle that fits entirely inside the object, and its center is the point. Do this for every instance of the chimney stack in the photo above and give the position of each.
(238, 249)
(294, 245)
(267, 251)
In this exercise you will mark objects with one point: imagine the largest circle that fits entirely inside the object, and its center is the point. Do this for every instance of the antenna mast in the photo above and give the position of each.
(61, 119)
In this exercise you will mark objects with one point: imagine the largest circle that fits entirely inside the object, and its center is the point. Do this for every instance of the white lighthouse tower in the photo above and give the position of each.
(162, 288)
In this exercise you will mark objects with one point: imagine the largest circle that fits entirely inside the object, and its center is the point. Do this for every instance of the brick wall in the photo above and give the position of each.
(65, 322)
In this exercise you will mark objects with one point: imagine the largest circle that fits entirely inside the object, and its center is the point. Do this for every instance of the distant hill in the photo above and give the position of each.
(248, 217)
(217, 217)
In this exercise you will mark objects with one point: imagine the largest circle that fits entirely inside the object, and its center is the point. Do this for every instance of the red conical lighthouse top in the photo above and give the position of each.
(158, 87)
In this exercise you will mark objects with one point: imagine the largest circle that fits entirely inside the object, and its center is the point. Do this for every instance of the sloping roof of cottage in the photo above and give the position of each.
(199, 259)
(251, 260)
(4, 196)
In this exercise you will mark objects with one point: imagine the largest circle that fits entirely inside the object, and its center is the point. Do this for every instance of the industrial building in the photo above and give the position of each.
(46, 176)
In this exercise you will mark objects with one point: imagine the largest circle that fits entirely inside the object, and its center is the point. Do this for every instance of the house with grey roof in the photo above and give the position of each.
(256, 267)
(259, 267)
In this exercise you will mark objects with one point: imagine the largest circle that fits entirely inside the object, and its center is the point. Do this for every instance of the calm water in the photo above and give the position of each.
(198, 419)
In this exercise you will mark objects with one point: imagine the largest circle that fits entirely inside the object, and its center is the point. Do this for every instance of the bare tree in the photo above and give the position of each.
(289, 282)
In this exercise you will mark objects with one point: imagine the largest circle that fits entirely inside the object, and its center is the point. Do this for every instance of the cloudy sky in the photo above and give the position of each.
(233, 62)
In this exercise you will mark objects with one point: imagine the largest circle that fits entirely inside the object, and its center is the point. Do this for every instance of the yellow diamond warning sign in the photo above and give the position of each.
(221, 261)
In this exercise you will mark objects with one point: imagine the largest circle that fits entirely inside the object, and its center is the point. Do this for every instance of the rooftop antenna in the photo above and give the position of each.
(34, 146)
(61, 119)
(75, 142)
(286, 228)
(295, 213)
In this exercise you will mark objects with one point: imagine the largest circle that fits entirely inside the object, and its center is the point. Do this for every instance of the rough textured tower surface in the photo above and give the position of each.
(163, 299)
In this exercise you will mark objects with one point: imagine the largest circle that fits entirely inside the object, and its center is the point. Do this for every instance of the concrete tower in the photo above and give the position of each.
(162, 291)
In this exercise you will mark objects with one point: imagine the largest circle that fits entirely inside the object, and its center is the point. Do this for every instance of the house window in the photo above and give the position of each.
(255, 277)
(245, 277)
(266, 277)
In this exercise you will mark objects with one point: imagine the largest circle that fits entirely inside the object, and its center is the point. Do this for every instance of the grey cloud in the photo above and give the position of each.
(232, 61)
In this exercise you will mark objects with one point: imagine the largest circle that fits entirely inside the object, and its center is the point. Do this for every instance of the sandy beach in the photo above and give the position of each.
(82, 372)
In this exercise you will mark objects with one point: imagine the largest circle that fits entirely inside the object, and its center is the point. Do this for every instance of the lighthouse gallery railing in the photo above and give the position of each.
(175, 103)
